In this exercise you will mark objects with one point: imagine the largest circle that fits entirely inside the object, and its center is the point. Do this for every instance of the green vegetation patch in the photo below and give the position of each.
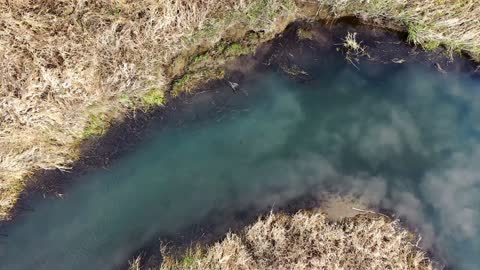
(237, 49)
(211, 29)
(416, 36)
(126, 101)
(189, 81)
(182, 84)
(431, 45)
(414, 30)
(97, 125)
(260, 9)
(257, 9)
(268, 10)
(153, 98)
(220, 48)
(208, 65)
(200, 58)
(190, 258)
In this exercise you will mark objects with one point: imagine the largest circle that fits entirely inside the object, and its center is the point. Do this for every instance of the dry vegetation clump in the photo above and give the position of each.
(353, 48)
(69, 68)
(310, 241)
(429, 23)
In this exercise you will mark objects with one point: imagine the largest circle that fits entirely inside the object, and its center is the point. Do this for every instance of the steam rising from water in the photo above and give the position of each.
(404, 139)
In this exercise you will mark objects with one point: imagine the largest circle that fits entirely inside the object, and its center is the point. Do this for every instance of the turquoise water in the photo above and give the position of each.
(404, 137)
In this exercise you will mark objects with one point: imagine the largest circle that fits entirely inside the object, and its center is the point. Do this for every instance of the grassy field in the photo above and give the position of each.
(307, 241)
(69, 69)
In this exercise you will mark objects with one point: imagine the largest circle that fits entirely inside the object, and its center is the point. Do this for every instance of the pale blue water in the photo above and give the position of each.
(405, 137)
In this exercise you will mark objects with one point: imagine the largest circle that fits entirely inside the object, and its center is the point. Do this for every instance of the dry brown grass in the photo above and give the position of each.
(69, 68)
(310, 241)
(430, 23)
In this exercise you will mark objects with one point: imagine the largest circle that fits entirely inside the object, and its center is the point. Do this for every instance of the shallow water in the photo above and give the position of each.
(406, 138)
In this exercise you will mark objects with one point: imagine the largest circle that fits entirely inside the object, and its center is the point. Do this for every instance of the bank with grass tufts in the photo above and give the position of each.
(69, 70)
(307, 240)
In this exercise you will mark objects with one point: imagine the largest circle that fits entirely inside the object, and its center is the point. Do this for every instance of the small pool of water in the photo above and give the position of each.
(403, 137)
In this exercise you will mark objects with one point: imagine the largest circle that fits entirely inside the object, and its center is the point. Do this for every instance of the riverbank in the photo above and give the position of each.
(307, 240)
(71, 71)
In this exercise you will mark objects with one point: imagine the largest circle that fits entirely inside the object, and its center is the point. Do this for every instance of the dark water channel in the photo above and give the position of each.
(404, 137)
